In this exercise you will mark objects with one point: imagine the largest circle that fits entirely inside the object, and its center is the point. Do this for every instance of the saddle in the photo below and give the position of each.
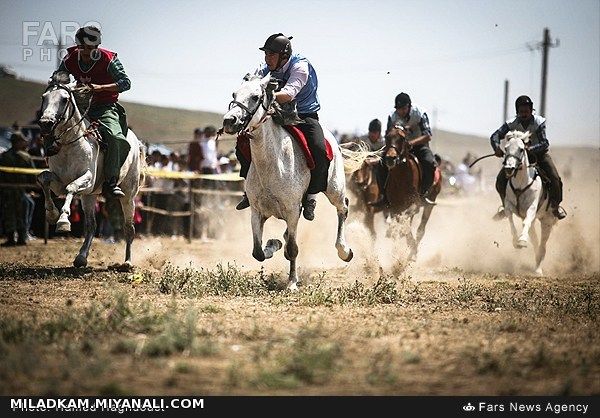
(243, 143)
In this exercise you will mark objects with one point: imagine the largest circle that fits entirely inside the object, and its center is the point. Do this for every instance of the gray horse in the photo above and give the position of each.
(279, 176)
(77, 167)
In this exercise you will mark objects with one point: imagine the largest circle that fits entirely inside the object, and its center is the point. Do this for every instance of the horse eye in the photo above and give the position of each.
(255, 98)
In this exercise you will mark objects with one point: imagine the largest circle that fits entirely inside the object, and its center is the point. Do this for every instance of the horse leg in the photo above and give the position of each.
(535, 242)
(291, 250)
(546, 229)
(527, 222)
(45, 179)
(370, 221)
(258, 222)
(513, 229)
(421, 229)
(412, 242)
(341, 204)
(88, 202)
(128, 207)
(79, 185)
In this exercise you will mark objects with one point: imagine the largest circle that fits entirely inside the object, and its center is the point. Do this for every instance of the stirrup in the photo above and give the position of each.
(244, 203)
(559, 212)
(428, 201)
(116, 191)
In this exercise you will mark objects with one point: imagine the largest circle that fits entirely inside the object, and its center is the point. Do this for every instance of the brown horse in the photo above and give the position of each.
(364, 185)
(404, 183)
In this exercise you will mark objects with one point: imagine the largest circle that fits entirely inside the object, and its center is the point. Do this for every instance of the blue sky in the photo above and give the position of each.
(452, 57)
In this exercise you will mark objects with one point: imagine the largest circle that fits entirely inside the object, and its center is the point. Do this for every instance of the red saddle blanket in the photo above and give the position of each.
(243, 143)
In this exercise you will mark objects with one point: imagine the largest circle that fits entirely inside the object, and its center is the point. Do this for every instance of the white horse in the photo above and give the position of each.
(278, 177)
(525, 196)
(77, 168)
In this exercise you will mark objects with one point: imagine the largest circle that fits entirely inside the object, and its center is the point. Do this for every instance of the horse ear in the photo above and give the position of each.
(527, 137)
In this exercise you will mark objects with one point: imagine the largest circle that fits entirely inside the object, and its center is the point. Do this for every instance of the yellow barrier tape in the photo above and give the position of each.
(152, 172)
(21, 170)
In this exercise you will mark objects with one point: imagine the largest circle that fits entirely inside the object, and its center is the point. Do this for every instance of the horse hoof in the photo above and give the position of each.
(275, 244)
(259, 256)
(350, 257)
(539, 272)
(292, 287)
(521, 244)
(63, 227)
(80, 261)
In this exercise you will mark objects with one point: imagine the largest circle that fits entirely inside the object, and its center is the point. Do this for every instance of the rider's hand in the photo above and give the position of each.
(499, 153)
(96, 87)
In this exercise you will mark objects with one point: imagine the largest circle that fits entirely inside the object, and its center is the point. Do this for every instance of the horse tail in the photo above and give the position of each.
(142, 164)
(355, 158)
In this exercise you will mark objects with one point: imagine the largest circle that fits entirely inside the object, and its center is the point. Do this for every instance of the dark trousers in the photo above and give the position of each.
(316, 143)
(313, 132)
(244, 163)
(549, 175)
(427, 161)
(381, 173)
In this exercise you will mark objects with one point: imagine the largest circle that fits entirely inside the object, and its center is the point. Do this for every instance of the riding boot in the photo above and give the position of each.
(244, 203)
(308, 207)
(501, 183)
(559, 212)
(112, 189)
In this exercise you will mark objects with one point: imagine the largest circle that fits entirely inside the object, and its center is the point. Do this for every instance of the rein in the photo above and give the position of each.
(249, 114)
(480, 158)
(72, 104)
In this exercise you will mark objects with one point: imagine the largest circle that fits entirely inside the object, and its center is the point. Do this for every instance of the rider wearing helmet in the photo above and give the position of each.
(418, 134)
(102, 70)
(537, 151)
(299, 84)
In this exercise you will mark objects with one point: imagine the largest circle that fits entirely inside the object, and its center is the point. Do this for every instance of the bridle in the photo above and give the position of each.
(70, 105)
(401, 151)
(519, 159)
(249, 113)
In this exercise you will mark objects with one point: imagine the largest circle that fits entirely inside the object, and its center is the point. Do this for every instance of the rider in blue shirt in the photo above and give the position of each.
(299, 84)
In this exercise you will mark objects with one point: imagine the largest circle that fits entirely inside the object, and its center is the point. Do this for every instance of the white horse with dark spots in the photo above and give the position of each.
(526, 196)
(77, 168)
(278, 177)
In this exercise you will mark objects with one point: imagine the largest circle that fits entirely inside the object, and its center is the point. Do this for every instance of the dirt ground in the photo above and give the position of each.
(469, 317)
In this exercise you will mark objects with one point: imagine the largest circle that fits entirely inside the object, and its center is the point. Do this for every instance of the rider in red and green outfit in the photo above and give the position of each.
(102, 70)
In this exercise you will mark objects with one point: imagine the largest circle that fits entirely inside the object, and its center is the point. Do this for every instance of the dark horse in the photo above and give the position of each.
(403, 185)
(364, 184)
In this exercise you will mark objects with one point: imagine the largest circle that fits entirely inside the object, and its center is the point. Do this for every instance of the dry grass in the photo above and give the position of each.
(229, 331)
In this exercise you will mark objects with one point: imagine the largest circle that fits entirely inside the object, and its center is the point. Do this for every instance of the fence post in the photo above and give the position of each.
(192, 211)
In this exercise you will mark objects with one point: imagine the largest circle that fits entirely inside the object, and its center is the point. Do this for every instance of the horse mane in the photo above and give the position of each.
(285, 113)
(60, 77)
(354, 158)
(523, 136)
